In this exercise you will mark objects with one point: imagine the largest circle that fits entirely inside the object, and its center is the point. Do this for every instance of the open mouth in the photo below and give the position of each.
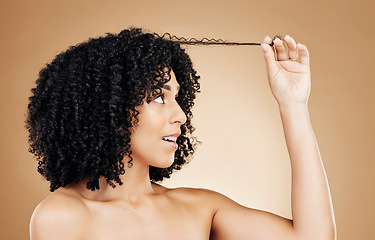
(171, 141)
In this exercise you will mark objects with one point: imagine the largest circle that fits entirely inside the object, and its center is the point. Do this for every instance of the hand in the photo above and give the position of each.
(289, 76)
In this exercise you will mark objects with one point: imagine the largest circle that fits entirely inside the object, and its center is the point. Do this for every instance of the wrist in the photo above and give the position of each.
(293, 107)
(294, 115)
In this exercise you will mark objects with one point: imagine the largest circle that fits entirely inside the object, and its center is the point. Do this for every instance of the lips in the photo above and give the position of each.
(174, 135)
(171, 140)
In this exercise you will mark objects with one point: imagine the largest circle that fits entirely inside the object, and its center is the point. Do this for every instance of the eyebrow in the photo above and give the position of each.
(167, 87)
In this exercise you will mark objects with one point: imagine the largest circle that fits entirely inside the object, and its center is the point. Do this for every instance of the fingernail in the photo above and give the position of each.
(277, 40)
(264, 47)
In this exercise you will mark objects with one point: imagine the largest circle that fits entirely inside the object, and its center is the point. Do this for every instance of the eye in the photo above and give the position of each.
(159, 100)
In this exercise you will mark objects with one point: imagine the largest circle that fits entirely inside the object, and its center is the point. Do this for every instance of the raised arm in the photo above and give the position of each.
(312, 212)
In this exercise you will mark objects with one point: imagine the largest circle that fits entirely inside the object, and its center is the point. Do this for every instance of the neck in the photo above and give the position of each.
(136, 186)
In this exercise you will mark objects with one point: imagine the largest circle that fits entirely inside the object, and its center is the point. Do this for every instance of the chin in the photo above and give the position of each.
(165, 163)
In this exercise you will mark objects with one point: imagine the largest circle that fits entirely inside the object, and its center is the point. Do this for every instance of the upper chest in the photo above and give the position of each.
(162, 219)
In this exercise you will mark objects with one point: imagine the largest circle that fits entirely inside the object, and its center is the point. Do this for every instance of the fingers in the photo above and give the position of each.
(288, 51)
(292, 47)
(269, 54)
(282, 55)
(303, 54)
(267, 40)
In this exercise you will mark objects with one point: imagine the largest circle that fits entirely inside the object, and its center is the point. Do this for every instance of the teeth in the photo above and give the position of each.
(174, 139)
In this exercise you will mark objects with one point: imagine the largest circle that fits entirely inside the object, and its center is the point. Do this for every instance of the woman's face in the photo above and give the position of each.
(153, 141)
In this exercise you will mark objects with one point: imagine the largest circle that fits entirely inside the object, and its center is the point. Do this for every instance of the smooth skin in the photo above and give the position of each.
(143, 210)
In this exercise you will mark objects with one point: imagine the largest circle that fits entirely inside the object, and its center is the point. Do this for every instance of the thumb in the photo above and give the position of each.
(269, 56)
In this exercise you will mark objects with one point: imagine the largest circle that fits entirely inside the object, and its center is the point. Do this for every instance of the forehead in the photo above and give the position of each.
(168, 79)
(172, 83)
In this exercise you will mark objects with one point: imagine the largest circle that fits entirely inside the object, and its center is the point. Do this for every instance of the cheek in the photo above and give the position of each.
(142, 139)
(148, 147)
(152, 151)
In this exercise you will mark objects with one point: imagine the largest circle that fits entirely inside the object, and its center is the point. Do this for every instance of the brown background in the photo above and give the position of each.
(243, 154)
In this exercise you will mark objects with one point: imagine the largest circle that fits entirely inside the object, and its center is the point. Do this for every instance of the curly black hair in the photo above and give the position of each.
(84, 106)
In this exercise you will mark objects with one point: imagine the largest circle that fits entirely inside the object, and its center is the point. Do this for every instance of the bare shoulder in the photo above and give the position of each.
(196, 193)
(59, 215)
(230, 220)
(199, 196)
(220, 204)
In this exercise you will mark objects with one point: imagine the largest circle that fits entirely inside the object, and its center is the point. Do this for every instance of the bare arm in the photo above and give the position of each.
(290, 83)
(311, 202)
(312, 212)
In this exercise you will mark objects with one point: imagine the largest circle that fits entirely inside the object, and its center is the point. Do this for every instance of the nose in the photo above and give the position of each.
(178, 116)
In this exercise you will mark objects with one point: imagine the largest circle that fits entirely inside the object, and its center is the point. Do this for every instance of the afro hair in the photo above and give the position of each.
(84, 106)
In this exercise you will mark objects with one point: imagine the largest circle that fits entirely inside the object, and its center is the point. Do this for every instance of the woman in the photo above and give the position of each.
(112, 116)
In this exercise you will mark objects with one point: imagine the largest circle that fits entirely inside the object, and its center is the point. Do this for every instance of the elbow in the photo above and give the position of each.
(333, 232)
(326, 233)
(329, 234)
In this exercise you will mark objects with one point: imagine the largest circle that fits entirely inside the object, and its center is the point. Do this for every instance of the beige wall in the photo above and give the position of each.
(243, 154)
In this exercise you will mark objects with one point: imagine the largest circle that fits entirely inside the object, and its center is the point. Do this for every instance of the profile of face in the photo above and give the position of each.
(153, 140)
